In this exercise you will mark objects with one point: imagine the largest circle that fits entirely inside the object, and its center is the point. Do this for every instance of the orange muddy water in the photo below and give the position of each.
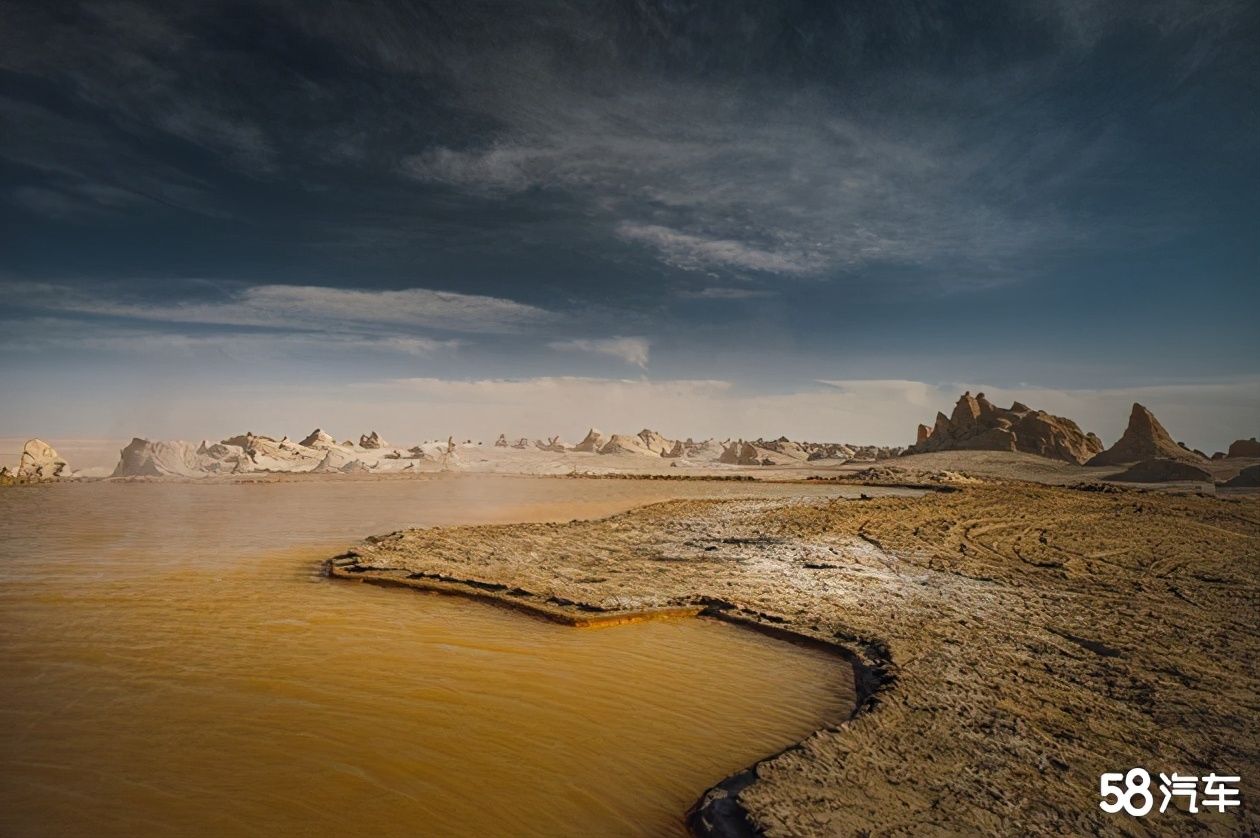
(172, 663)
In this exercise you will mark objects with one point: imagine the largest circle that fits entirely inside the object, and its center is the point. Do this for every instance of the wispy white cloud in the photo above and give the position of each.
(89, 171)
(306, 307)
(141, 66)
(50, 202)
(792, 188)
(76, 200)
(631, 350)
(506, 168)
(238, 139)
(43, 334)
(719, 292)
(694, 252)
(757, 149)
(496, 390)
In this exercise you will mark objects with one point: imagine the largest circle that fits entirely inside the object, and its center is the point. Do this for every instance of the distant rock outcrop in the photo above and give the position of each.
(655, 442)
(253, 454)
(625, 444)
(1144, 439)
(1162, 470)
(372, 441)
(240, 440)
(553, 445)
(706, 451)
(1244, 448)
(143, 458)
(334, 460)
(1247, 478)
(222, 458)
(785, 447)
(265, 454)
(977, 424)
(830, 451)
(740, 453)
(337, 460)
(501, 442)
(867, 453)
(39, 462)
(592, 442)
(318, 439)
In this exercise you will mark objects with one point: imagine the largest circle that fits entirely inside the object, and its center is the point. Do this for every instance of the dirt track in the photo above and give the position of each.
(1020, 640)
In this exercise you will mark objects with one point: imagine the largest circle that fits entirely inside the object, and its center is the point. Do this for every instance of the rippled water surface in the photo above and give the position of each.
(171, 663)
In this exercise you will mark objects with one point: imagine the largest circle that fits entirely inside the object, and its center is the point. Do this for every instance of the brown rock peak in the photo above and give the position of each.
(1244, 448)
(372, 440)
(1144, 439)
(1143, 421)
(978, 425)
(967, 411)
(985, 406)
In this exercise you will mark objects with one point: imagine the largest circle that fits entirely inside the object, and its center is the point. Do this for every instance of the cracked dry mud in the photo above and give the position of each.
(1012, 642)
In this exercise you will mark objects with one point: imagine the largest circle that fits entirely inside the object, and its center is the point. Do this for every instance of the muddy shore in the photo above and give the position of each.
(1011, 642)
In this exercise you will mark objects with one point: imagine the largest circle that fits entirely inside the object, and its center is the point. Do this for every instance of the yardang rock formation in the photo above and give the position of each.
(1244, 448)
(372, 441)
(592, 442)
(977, 424)
(1144, 439)
(40, 462)
(318, 439)
(624, 444)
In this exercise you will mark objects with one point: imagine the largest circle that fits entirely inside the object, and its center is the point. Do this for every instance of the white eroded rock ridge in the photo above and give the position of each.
(320, 453)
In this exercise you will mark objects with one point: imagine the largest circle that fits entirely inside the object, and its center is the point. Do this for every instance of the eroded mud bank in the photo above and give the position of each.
(1013, 641)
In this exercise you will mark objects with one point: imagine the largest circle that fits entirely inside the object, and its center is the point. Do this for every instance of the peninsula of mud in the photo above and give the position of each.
(1011, 642)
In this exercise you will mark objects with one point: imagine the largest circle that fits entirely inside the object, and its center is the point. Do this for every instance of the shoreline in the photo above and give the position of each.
(1003, 636)
(717, 813)
(870, 663)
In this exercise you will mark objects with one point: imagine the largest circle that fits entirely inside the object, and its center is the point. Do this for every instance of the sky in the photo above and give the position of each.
(723, 219)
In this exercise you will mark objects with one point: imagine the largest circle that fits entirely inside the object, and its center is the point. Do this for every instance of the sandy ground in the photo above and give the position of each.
(1012, 642)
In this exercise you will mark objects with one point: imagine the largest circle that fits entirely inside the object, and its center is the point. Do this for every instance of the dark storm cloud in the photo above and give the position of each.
(618, 167)
(782, 139)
